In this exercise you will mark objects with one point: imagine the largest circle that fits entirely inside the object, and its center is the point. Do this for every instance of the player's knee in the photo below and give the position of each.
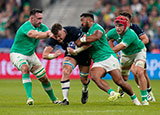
(140, 73)
(25, 68)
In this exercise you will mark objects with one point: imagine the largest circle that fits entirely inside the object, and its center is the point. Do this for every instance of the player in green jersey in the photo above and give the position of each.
(132, 51)
(143, 37)
(23, 55)
(104, 59)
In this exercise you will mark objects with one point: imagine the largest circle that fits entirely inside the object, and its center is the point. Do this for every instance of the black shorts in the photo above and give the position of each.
(82, 58)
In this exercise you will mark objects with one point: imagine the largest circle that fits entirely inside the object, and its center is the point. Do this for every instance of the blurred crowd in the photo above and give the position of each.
(13, 13)
(145, 13)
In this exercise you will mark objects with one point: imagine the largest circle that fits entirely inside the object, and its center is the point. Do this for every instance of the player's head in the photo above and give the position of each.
(36, 17)
(120, 24)
(87, 20)
(127, 15)
(58, 32)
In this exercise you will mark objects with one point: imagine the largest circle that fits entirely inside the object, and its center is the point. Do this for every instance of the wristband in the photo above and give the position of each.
(51, 56)
(83, 39)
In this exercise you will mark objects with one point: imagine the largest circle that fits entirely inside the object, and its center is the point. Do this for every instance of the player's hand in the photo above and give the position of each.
(78, 42)
(71, 51)
(58, 53)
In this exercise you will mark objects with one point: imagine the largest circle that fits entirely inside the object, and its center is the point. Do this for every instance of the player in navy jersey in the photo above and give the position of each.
(142, 36)
(65, 37)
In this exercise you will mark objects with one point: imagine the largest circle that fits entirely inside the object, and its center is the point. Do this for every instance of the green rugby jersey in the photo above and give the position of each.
(100, 49)
(130, 39)
(24, 44)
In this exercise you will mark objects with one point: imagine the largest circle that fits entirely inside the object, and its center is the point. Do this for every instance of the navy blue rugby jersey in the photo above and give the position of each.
(72, 34)
(139, 31)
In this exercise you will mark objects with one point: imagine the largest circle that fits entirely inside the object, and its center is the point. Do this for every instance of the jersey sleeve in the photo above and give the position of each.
(127, 40)
(26, 29)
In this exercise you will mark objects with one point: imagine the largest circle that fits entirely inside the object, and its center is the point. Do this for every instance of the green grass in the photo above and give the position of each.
(13, 100)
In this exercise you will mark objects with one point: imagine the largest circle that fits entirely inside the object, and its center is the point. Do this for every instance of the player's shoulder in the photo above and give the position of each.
(96, 25)
(72, 30)
(135, 27)
(26, 24)
(130, 33)
(112, 31)
(139, 31)
(69, 28)
(43, 25)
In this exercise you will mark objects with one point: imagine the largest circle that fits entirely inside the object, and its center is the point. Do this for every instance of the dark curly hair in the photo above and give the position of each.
(35, 10)
(55, 28)
(126, 14)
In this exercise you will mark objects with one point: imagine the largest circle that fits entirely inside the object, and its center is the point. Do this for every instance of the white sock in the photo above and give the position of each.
(65, 88)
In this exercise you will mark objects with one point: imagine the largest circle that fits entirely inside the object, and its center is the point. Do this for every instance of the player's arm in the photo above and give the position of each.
(144, 38)
(111, 43)
(119, 47)
(78, 50)
(39, 35)
(94, 37)
(47, 53)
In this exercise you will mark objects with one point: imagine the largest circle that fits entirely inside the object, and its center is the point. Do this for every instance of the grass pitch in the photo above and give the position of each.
(13, 100)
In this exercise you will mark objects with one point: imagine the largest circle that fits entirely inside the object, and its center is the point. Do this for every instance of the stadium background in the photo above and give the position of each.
(13, 13)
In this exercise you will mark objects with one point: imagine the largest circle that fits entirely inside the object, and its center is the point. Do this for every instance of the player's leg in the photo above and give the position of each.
(68, 65)
(140, 60)
(149, 89)
(117, 78)
(39, 71)
(114, 71)
(20, 62)
(126, 63)
(134, 73)
(139, 67)
(98, 71)
(145, 73)
(96, 74)
(84, 72)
